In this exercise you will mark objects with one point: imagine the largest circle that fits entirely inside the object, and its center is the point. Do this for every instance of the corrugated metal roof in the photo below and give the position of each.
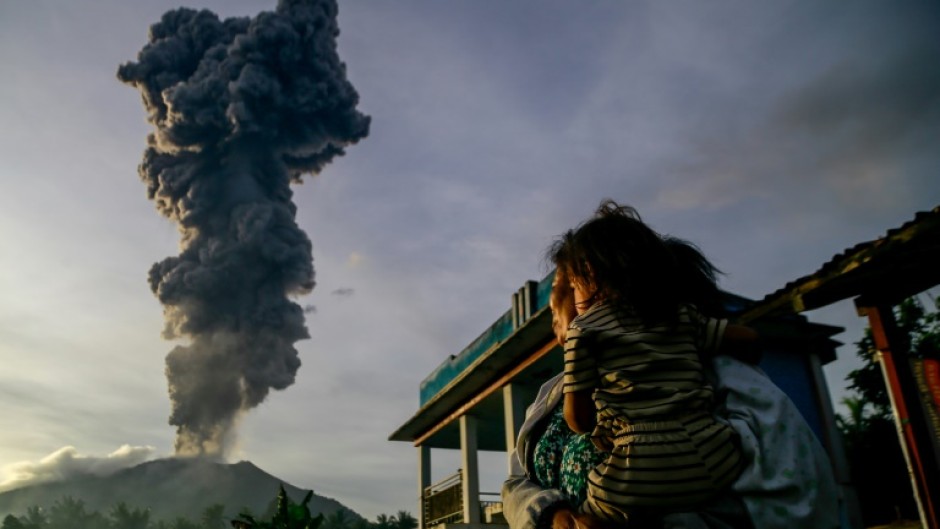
(912, 248)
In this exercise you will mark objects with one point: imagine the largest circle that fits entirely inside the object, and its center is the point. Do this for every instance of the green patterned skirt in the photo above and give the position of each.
(563, 459)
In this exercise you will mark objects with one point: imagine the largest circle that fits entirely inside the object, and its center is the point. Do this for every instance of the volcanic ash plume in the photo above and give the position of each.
(241, 109)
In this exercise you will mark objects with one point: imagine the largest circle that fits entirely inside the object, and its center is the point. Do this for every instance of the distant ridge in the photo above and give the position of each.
(170, 488)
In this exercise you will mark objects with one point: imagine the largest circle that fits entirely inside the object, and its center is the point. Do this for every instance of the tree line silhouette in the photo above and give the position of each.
(282, 513)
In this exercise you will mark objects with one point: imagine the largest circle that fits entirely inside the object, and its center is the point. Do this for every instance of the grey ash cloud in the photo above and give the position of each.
(860, 131)
(241, 109)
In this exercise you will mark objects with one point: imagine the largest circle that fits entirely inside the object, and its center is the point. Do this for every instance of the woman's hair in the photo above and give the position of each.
(626, 263)
(561, 288)
(561, 300)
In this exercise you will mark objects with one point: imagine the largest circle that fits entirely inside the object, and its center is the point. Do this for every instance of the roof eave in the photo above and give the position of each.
(488, 367)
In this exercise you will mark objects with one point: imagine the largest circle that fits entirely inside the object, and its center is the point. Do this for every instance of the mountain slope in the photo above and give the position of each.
(170, 488)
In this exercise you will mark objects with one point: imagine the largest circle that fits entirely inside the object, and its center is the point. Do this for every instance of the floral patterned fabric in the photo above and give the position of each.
(563, 458)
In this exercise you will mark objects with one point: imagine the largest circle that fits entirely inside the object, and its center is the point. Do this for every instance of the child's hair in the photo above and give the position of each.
(624, 262)
(698, 277)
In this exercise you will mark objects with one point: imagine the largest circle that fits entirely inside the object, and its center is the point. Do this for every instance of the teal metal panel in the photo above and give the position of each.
(496, 333)
(543, 291)
(453, 366)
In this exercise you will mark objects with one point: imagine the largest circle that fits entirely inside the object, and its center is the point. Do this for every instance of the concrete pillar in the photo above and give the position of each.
(424, 481)
(523, 303)
(529, 290)
(513, 413)
(832, 440)
(471, 470)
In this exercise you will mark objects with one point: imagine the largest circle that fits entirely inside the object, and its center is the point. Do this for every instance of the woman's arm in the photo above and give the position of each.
(528, 505)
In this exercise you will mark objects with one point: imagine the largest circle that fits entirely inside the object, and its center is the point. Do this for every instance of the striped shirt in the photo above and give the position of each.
(639, 372)
(653, 404)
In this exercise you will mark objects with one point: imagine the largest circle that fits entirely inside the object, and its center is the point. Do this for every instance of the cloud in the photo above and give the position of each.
(355, 259)
(67, 462)
(858, 134)
(862, 126)
(344, 292)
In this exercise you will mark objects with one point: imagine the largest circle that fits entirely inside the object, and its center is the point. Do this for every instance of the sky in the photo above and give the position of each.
(773, 135)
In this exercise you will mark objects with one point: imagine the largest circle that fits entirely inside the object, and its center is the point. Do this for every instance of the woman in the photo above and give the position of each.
(787, 481)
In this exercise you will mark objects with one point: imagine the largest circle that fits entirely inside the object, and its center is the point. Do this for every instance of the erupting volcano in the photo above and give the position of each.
(242, 108)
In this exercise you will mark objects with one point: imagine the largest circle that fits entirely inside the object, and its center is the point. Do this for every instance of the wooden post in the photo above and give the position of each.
(913, 434)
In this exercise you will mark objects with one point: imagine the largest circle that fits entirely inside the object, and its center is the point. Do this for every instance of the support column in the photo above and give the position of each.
(471, 472)
(424, 481)
(832, 440)
(892, 346)
(514, 414)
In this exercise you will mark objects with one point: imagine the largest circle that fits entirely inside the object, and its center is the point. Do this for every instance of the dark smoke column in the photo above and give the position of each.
(241, 109)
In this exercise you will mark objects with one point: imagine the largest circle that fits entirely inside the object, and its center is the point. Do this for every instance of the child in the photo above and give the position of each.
(633, 371)
(562, 458)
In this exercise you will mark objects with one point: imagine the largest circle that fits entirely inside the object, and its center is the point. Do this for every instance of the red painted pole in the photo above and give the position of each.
(896, 368)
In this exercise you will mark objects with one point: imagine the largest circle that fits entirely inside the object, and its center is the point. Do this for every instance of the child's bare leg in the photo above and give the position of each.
(598, 515)
(589, 521)
(595, 515)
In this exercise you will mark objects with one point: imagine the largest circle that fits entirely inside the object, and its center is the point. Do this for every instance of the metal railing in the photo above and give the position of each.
(442, 502)
(491, 508)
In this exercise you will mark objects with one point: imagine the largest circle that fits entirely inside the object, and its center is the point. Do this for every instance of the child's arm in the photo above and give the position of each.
(742, 343)
(580, 380)
(717, 336)
(579, 411)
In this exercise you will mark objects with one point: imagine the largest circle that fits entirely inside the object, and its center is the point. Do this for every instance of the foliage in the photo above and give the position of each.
(287, 515)
(69, 513)
(213, 517)
(401, 520)
(405, 520)
(123, 517)
(917, 324)
(35, 518)
(12, 522)
(337, 520)
(879, 472)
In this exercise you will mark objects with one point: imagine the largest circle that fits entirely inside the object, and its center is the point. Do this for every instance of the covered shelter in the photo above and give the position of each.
(475, 400)
(878, 275)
